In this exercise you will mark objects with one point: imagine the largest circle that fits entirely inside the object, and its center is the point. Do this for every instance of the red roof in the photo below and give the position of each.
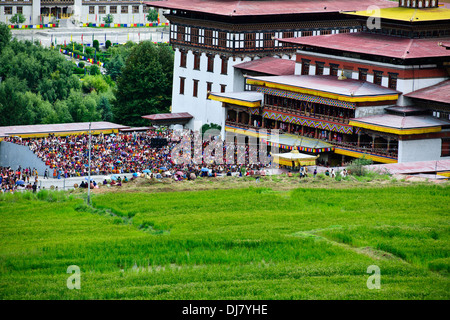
(275, 7)
(169, 116)
(330, 84)
(374, 44)
(400, 122)
(439, 92)
(270, 66)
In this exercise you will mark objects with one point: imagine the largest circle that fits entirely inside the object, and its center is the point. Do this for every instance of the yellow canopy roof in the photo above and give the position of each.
(408, 14)
(294, 158)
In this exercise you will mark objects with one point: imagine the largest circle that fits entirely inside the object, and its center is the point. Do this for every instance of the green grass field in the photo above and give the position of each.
(239, 243)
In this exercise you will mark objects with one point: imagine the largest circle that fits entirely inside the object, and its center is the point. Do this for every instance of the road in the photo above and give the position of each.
(85, 35)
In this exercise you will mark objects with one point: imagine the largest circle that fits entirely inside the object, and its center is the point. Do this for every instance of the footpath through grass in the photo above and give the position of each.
(241, 243)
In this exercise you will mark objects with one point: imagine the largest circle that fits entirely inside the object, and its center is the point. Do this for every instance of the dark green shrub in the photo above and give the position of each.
(94, 70)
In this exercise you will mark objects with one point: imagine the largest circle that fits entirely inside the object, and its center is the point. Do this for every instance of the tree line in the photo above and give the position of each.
(39, 86)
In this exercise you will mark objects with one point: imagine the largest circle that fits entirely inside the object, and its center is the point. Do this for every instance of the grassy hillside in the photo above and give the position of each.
(244, 243)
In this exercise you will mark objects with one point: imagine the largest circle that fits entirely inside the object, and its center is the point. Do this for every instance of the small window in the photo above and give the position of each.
(208, 89)
(182, 80)
(377, 77)
(222, 39)
(91, 9)
(362, 75)
(250, 40)
(305, 67)
(319, 68)
(223, 87)
(208, 37)
(334, 69)
(102, 9)
(393, 81)
(196, 61)
(124, 9)
(195, 89)
(194, 35)
(20, 10)
(224, 69)
(183, 59)
(210, 64)
(113, 9)
(135, 9)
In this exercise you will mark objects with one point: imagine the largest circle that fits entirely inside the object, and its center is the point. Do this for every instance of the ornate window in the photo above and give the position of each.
(377, 77)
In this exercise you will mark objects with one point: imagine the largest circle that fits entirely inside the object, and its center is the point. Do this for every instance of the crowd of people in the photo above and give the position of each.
(115, 154)
(22, 178)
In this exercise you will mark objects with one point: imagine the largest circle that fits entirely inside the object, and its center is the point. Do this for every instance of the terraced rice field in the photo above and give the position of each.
(241, 243)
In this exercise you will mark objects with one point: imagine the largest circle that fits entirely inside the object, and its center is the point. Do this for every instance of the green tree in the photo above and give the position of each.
(107, 44)
(144, 87)
(94, 70)
(97, 83)
(104, 107)
(12, 101)
(45, 71)
(82, 108)
(152, 15)
(17, 18)
(37, 110)
(114, 66)
(62, 112)
(96, 45)
(109, 18)
(5, 36)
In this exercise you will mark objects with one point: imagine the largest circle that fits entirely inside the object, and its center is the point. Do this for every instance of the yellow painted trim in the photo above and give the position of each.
(356, 154)
(394, 130)
(235, 101)
(445, 174)
(321, 93)
(243, 132)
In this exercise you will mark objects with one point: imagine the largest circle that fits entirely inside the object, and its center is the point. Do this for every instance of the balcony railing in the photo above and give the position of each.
(366, 148)
(317, 116)
(244, 126)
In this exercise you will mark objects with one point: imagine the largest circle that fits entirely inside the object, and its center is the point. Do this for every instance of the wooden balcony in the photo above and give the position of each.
(307, 114)
(392, 153)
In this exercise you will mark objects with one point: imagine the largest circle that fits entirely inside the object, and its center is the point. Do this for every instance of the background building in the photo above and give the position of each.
(74, 12)
(382, 92)
(210, 38)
